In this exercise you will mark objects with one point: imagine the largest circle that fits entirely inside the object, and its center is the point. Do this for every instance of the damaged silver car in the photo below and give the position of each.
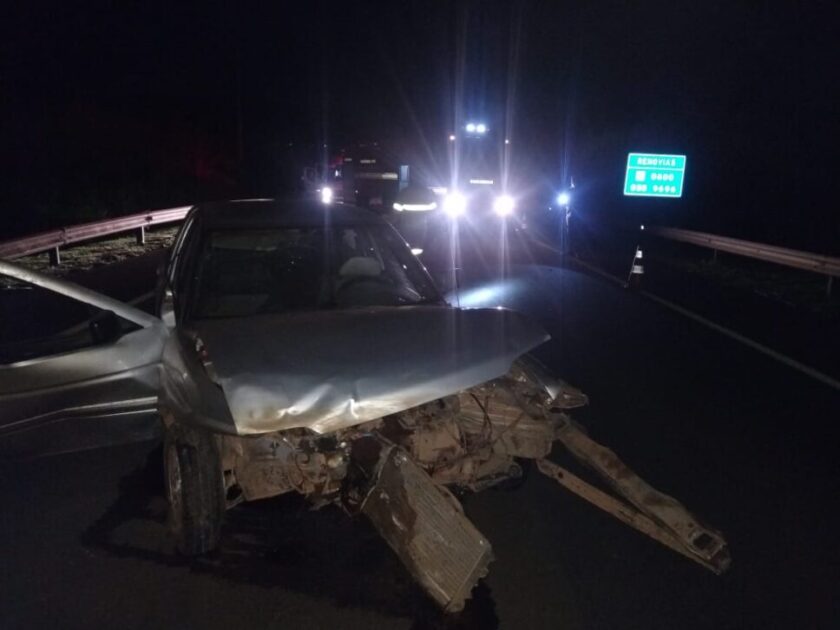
(303, 348)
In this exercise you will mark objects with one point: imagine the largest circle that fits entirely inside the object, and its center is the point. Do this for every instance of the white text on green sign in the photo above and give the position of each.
(654, 175)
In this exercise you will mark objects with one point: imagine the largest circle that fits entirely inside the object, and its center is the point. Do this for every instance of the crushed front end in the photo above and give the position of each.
(400, 471)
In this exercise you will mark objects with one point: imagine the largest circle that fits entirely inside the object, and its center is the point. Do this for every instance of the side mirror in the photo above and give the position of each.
(105, 327)
(164, 300)
(166, 310)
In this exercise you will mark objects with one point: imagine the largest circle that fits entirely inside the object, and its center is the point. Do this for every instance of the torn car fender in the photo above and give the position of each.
(187, 393)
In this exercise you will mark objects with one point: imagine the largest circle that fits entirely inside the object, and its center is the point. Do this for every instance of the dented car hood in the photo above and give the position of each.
(329, 370)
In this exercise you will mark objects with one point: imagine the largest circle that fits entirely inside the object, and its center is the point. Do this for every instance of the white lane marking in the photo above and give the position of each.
(778, 356)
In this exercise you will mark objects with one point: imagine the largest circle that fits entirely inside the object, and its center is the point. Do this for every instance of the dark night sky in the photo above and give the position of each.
(109, 107)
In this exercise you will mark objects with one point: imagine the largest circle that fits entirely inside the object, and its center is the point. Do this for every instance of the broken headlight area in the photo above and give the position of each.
(399, 472)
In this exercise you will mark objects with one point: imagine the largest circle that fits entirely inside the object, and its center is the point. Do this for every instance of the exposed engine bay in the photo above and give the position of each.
(401, 470)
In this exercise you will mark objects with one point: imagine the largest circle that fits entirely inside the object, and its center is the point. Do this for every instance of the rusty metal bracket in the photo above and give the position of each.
(654, 513)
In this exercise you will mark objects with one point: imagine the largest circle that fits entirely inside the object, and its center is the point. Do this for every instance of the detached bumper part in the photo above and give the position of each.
(426, 528)
(653, 513)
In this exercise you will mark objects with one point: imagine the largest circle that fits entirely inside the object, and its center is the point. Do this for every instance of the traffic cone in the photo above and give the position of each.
(637, 270)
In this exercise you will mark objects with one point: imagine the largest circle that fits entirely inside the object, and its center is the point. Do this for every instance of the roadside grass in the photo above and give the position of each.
(92, 254)
(798, 289)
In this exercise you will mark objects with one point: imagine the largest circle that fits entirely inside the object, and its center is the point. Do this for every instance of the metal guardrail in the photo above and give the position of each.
(52, 240)
(817, 263)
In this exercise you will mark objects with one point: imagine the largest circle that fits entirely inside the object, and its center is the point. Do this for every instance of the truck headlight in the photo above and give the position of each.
(454, 204)
(504, 205)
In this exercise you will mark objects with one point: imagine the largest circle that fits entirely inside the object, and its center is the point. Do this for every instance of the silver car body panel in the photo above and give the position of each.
(323, 370)
(329, 370)
(82, 398)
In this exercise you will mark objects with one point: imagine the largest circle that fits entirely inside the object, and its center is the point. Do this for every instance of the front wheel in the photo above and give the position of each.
(194, 488)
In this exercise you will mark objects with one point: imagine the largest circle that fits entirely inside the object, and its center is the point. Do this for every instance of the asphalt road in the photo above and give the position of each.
(745, 442)
(783, 308)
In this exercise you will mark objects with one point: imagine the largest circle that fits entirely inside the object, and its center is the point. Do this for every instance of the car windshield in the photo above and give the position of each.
(244, 272)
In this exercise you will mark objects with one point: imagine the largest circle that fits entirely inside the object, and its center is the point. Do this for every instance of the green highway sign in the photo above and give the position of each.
(654, 175)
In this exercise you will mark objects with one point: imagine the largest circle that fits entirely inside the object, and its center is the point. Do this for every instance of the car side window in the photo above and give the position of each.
(36, 322)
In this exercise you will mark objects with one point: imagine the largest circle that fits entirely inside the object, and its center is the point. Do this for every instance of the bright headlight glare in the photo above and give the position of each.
(563, 199)
(504, 205)
(454, 204)
(326, 194)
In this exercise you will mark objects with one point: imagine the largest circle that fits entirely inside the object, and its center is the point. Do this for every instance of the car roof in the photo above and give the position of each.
(267, 213)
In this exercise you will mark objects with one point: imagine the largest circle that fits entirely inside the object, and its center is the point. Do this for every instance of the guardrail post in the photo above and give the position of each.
(794, 258)
(53, 239)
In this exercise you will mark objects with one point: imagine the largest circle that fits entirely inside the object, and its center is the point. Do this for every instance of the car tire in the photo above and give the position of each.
(194, 489)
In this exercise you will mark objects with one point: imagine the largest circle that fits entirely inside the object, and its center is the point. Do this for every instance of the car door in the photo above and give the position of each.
(78, 370)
